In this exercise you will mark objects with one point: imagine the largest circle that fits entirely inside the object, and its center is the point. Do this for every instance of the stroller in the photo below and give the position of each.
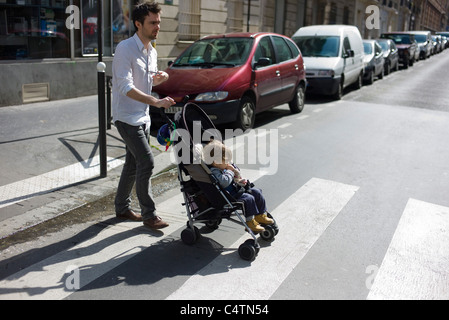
(204, 199)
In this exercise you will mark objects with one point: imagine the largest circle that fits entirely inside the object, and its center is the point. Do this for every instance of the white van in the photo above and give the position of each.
(333, 56)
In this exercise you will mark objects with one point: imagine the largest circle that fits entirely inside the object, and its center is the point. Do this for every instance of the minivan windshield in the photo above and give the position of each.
(318, 46)
(216, 52)
(398, 38)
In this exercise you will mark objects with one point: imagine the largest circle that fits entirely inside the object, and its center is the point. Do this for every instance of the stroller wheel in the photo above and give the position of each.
(274, 225)
(213, 224)
(248, 250)
(189, 235)
(268, 234)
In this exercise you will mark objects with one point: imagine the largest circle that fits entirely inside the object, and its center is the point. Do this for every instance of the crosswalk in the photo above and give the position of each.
(316, 204)
(415, 265)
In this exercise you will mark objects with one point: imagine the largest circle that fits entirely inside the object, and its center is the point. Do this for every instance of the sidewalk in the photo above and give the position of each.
(68, 188)
(68, 198)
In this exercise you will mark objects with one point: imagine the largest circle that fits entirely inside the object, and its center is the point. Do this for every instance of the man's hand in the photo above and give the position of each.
(159, 77)
(165, 103)
(138, 95)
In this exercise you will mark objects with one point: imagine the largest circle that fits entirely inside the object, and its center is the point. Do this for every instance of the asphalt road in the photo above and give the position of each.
(358, 188)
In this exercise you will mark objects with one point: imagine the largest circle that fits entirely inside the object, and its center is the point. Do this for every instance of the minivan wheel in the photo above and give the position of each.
(297, 103)
(339, 94)
(246, 115)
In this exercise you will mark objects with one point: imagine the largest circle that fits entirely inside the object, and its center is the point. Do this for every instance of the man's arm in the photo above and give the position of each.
(140, 96)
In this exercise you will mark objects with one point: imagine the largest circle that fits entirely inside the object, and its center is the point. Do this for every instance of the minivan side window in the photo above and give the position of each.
(265, 50)
(282, 49)
(346, 45)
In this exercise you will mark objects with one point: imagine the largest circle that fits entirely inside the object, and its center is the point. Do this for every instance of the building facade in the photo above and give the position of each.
(431, 15)
(49, 48)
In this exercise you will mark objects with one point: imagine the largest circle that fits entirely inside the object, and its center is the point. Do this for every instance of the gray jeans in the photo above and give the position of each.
(138, 168)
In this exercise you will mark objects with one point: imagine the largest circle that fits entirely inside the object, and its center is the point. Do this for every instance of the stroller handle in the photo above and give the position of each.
(164, 115)
(162, 110)
(166, 118)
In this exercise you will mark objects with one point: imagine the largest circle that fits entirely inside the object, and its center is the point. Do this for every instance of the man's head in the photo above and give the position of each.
(146, 18)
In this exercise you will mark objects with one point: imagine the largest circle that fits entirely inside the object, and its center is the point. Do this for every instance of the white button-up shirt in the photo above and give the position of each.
(131, 68)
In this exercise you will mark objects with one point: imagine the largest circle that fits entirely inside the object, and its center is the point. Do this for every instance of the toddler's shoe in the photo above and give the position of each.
(263, 219)
(255, 226)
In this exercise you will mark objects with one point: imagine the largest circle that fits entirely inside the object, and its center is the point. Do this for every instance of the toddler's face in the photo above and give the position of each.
(220, 166)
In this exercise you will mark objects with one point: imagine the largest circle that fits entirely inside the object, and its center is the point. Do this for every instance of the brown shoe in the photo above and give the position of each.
(129, 215)
(155, 223)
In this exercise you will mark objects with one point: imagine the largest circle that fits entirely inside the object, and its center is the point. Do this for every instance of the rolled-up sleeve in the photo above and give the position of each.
(122, 70)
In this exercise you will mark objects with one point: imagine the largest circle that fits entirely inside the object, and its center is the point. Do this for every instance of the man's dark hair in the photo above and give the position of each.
(143, 9)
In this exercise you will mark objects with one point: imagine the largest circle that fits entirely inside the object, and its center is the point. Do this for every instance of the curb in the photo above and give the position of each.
(76, 196)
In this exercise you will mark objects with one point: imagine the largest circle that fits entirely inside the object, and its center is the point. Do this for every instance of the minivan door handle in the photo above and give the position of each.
(278, 73)
(296, 66)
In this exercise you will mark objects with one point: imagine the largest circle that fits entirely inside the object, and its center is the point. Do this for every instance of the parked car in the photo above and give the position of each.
(406, 44)
(424, 39)
(374, 61)
(445, 42)
(333, 55)
(440, 40)
(446, 34)
(391, 55)
(437, 43)
(234, 76)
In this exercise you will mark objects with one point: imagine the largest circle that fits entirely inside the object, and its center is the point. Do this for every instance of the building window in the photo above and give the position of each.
(189, 20)
(235, 16)
(33, 29)
(346, 15)
(333, 13)
(122, 25)
(319, 13)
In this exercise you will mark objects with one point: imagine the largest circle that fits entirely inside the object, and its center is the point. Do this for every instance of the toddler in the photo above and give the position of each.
(228, 175)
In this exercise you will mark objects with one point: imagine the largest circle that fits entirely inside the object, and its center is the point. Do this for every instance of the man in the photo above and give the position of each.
(134, 73)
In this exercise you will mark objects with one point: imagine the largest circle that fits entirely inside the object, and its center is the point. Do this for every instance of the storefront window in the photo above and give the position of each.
(121, 22)
(89, 25)
(33, 29)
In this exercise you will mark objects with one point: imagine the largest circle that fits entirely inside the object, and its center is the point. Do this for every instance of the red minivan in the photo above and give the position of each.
(236, 75)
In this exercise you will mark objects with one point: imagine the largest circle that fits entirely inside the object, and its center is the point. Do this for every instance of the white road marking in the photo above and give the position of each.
(27, 188)
(285, 125)
(416, 265)
(302, 219)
